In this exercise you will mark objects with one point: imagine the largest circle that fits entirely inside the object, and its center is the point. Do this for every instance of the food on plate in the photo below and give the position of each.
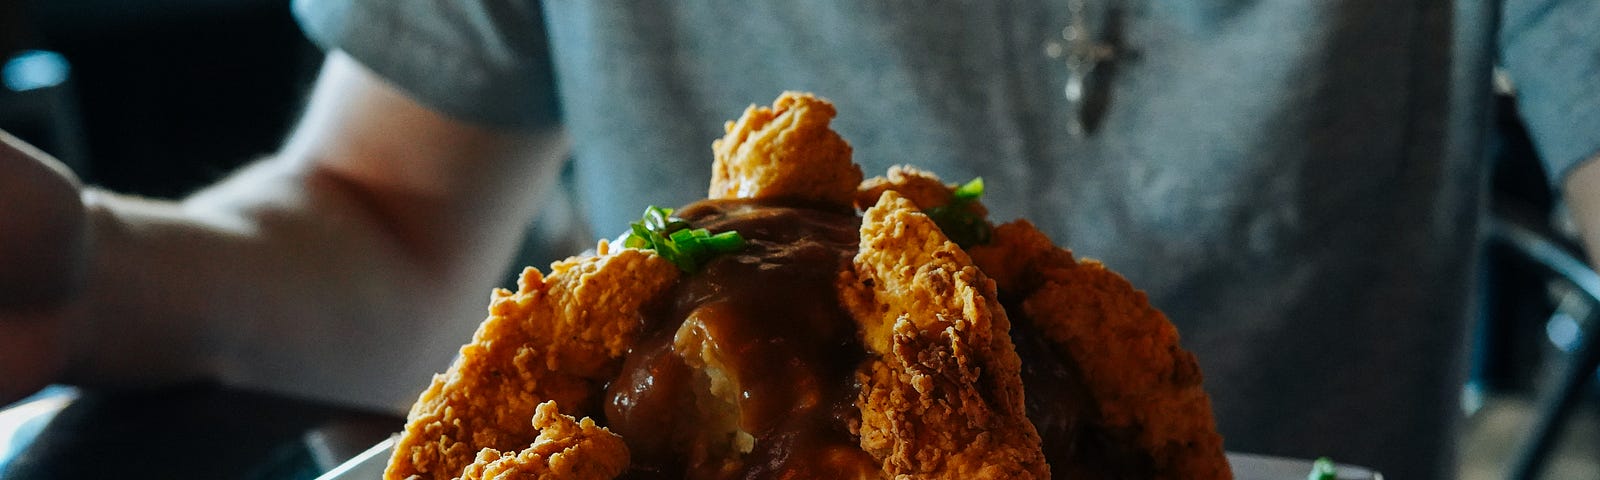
(565, 448)
(803, 323)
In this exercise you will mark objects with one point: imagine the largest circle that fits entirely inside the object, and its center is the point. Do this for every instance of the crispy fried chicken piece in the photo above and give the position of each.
(785, 152)
(1019, 258)
(921, 187)
(1141, 383)
(557, 338)
(942, 396)
(566, 449)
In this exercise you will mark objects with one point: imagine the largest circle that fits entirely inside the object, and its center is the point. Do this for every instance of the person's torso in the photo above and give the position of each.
(1287, 172)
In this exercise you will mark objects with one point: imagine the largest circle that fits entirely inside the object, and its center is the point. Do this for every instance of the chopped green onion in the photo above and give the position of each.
(956, 218)
(1323, 469)
(675, 240)
(681, 236)
(725, 242)
(686, 243)
(971, 190)
(635, 241)
(656, 217)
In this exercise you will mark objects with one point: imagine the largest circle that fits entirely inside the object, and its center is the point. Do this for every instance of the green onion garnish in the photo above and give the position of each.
(674, 240)
(971, 190)
(1323, 469)
(958, 221)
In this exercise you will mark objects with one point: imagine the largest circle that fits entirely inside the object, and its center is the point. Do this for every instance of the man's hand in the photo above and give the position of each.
(43, 250)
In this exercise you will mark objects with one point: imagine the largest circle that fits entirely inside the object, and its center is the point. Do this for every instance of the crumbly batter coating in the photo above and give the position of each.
(557, 338)
(566, 449)
(1124, 350)
(942, 397)
(785, 152)
(921, 187)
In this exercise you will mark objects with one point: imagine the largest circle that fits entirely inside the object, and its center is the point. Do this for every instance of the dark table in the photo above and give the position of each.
(196, 430)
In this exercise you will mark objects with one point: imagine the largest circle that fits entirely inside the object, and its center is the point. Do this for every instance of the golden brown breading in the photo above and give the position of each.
(1018, 257)
(566, 449)
(942, 396)
(557, 338)
(785, 152)
(919, 186)
(1124, 350)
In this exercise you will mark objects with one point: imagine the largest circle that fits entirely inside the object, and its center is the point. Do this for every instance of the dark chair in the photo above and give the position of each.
(36, 99)
(1579, 364)
(37, 105)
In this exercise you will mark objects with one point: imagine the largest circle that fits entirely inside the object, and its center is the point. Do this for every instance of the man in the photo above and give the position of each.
(1296, 183)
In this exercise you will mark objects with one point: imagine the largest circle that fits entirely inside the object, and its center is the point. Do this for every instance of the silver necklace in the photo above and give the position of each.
(1089, 58)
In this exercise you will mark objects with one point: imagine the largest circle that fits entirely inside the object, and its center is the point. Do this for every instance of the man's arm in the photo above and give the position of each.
(346, 267)
(1582, 190)
(43, 254)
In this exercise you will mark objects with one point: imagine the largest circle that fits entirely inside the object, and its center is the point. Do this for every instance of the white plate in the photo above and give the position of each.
(369, 465)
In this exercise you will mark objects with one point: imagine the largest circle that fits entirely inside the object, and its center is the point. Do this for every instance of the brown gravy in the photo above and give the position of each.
(773, 309)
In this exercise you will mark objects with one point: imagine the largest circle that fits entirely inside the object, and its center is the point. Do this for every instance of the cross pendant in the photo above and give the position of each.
(1083, 55)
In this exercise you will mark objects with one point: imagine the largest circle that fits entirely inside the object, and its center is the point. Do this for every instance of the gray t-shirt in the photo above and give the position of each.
(1296, 183)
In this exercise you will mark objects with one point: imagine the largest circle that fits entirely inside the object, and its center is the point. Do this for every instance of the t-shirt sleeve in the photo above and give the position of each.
(1551, 49)
(484, 61)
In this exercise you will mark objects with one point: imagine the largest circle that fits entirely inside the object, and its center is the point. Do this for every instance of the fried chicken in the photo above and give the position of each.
(941, 397)
(557, 338)
(914, 374)
(748, 355)
(1144, 401)
(1143, 388)
(566, 449)
(921, 187)
(786, 151)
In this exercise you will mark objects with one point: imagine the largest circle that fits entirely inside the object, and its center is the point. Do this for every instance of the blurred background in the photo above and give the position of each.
(161, 97)
(154, 97)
